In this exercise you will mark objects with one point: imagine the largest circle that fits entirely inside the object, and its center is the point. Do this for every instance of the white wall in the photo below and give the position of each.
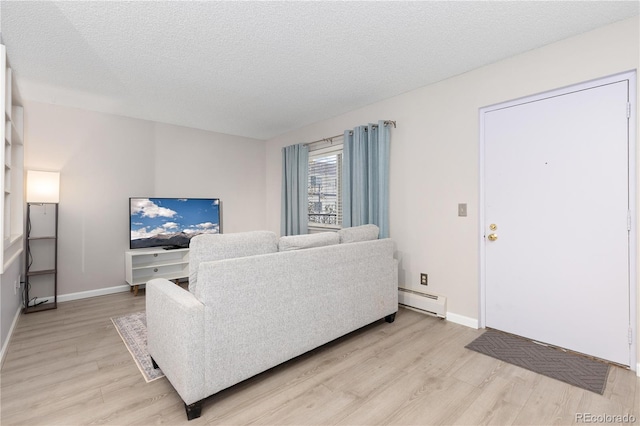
(435, 155)
(105, 159)
(192, 163)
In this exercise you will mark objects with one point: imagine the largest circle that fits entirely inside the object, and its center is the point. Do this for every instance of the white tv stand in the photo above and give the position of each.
(145, 264)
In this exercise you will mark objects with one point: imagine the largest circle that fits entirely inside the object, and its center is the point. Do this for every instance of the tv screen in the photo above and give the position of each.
(171, 222)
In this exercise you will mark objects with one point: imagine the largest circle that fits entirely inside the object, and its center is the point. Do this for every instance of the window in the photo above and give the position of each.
(325, 183)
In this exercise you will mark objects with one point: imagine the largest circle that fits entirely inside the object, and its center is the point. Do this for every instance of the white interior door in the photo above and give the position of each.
(556, 187)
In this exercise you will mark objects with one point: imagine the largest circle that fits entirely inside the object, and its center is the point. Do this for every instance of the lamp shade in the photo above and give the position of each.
(43, 187)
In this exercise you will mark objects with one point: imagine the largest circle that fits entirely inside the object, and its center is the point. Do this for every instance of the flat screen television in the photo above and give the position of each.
(171, 222)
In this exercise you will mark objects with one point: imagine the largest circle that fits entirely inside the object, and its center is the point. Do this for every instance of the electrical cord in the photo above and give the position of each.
(27, 284)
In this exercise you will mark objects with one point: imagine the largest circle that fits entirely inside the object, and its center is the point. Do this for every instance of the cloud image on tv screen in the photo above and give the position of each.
(171, 222)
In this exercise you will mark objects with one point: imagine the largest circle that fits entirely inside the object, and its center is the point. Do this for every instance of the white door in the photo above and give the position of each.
(556, 187)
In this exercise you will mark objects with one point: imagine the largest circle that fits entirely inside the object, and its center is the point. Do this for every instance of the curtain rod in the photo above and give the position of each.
(331, 138)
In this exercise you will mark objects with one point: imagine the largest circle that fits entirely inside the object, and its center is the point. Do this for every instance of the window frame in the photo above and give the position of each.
(326, 151)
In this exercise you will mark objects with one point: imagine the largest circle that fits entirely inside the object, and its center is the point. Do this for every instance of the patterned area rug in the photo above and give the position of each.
(133, 330)
(575, 369)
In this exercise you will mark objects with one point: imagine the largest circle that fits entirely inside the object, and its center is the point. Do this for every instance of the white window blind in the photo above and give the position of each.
(325, 183)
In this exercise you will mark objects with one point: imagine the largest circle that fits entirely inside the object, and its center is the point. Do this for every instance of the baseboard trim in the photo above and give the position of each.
(93, 293)
(3, 351)
(84, 294)
(462, 320)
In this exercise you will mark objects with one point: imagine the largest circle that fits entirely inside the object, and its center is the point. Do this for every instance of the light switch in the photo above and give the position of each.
(462, 209)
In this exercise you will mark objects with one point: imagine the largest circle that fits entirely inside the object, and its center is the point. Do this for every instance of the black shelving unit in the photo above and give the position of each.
(31, 241)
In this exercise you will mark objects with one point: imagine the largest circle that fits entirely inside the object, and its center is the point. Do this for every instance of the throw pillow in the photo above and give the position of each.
(358, 233)
(297, 242)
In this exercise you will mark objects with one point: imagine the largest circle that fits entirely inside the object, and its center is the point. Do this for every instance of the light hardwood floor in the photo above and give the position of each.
(70, 367)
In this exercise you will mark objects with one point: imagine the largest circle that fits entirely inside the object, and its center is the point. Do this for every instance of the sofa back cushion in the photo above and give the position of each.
(359, 233)
(297, 242)
(209, 247)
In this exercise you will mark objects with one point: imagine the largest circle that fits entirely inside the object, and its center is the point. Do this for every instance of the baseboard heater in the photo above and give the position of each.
(429, 303)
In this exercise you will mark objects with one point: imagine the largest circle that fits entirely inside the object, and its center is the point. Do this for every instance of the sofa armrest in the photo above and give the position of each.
(175, 336)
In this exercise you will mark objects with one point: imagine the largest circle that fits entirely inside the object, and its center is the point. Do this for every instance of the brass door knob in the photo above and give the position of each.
(493, 237)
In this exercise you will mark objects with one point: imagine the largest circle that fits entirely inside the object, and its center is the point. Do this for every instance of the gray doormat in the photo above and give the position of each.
(575, 369)
(133, 331)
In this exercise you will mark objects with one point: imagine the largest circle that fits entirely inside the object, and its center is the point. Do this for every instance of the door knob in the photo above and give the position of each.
(493, 237)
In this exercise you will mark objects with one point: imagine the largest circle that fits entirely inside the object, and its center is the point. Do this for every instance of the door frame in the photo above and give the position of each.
(633, 187)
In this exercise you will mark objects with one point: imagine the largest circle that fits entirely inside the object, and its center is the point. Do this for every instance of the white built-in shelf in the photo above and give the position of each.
(12, 179)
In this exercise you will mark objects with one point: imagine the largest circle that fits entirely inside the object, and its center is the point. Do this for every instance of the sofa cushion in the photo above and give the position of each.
(297, 242)
(359, 233)
(209, 247)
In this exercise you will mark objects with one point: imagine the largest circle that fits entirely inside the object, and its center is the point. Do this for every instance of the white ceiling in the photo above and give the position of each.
(262, 68)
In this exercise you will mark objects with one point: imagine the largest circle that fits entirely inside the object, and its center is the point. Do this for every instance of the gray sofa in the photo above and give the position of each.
(256, 301)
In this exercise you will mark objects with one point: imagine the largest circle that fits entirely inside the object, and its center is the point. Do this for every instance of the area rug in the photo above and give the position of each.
(572, 368)
(133, 330)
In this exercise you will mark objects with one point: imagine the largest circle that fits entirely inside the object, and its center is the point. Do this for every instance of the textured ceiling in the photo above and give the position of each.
(260, 69)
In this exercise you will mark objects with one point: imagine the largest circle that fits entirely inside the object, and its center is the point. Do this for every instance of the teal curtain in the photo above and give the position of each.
(295, 172)
(365, 181)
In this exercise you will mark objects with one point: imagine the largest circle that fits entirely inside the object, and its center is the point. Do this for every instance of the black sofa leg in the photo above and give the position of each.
(390, 318)
(153, 362)
(193, 410)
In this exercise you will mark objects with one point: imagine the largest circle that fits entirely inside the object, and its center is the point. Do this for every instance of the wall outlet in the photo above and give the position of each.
(423, 279)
